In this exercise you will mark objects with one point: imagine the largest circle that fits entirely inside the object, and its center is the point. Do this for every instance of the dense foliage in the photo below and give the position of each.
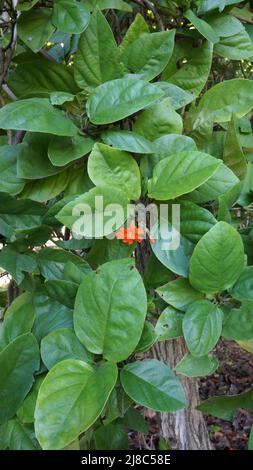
(132, 101)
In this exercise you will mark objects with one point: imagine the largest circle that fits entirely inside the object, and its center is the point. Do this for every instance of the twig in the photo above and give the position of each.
(8, 92)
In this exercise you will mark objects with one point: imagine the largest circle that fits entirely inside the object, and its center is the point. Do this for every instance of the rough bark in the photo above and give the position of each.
(184, 429)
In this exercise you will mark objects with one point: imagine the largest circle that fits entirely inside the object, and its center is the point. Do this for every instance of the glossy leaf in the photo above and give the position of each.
(239, 323)
(202, 325)
(70, 16)
(153, 384)
(110, 310)
(18, 320)
(179, 294)
(35, 28)
(233, 155)
(217, 260)
(70, 399)
(169, 324)
(128, 141)
(197, 366)
(120, 98)
(243, 288)
(202, 26)
(63, 150)
(9, 181)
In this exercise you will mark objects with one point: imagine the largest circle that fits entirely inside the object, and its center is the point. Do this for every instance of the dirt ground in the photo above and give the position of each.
(234, 376)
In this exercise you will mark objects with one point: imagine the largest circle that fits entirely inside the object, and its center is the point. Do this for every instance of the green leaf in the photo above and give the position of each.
(197, 366)
(169, 324)
(155, 273)
(195, 221)
(236, 47)
(108, 4)
(120, 98)
(202, 325)
(170, 144)
(18, 362)
(178, 97)
(47, 188)
(106, 164)
(225, 25)
(158, 120)
(76, 212)
(50, 315)
(149, 54)
(64, 291)
(19, 436)
(223, 100)
(40, 76)
(26, 412)
(35, 115)
(16, 263)
(9, 181)
(174, 258)
(225, 407)
(62, 344)
(179, 294)
(107, 250)
(202, 26)
(148, 338)
(70, 16)
(18, 216)
(217, 260)
(239, 323)
(26, 5)
(222, 181)
(18, 320)
(98, 57)
(63, 150)
(189, 66)
(243, 288)
(33, 162)
(111, 436)
(111, 301)
(233, 155)
(153, 384)
(169, 182)
(134, 420)
(52, 263)
(35, 28)
(128, 141)
(137, 27)
(70, 399)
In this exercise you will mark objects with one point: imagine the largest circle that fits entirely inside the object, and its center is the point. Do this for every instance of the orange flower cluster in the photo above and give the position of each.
(131, 234)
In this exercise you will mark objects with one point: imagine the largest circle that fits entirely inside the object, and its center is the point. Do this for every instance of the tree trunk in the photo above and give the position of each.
(184, 429)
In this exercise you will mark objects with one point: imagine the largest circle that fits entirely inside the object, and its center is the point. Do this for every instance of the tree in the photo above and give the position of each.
(110, 111)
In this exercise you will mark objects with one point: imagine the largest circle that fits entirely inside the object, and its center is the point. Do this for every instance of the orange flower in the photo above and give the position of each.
(130, 234)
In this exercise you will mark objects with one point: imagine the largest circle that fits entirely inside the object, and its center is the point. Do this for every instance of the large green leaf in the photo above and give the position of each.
(62, 344)
(70, 399)
(97, 60)
(70, 16)
(128, 141)
(18, 319)
(202, 325)
(137, 27)
(243, 288)
(46, 188)
(9, 181)
(233, 155)
(170, 144)
(63, 150)
(17, 436)
(175, 258)
(236, 47)
(33, 162)
(217, 260)
(158, 120)
(106, 164)
(16, 263)
(26, 411)
(40, 76)
(111, 436)
(169, 182)
(110, 310)
(179, 294)
(35, 115)
(89, 208)
(225, 407)
(193, 366)
(105, 250)
(202, 26)
(189, 66)
(223, 100)
(195, 221)
(108, 4)
(239, 323)
(148, 55)
(224, 24)
(52, 263)
(120, 98)
(18, 362)
(222, 181)
(35, 27)
(153, 384)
